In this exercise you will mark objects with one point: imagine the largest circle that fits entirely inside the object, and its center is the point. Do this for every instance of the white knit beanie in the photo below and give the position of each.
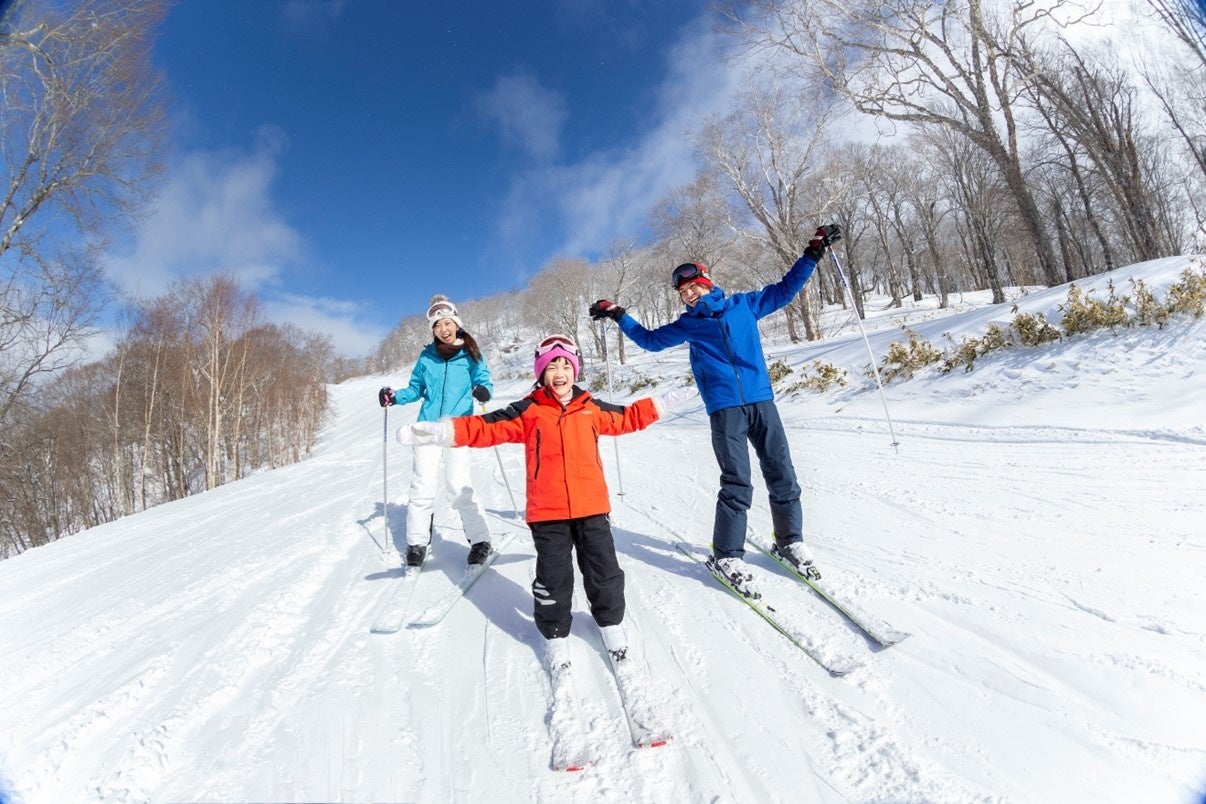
(441, 307)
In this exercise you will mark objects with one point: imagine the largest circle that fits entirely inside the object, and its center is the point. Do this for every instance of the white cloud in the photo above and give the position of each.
(607, 195)
(344, 321)
(213, 213)
(530, 117)
(309, 17)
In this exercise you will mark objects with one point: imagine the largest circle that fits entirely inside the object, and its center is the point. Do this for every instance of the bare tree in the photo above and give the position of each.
(1179, 86)
(769, 152)
(946, 65)
(79, 137)
(694, 221)
(618, 272)
(975, 188)
(1187, 20)
(1091, 109)
(556, 300)
(922, 190)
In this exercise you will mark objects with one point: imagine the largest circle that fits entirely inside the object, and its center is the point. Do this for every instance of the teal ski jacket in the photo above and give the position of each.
(444, 385)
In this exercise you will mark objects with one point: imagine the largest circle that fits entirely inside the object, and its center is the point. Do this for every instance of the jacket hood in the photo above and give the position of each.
(710, 303)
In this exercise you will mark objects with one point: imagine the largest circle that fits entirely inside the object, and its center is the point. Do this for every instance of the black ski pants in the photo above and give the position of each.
(602, 578)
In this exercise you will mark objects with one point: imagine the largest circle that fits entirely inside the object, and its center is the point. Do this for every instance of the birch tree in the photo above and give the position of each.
(81, 119)
(945, 65)
(768, 151)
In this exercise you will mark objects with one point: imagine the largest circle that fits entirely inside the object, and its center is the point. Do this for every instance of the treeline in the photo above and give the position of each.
(1024, 156)
(198, 391)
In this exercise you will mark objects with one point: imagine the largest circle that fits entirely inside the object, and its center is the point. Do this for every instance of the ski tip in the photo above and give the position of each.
(894, 638)
(383, 629)
(574, 767)
(656, 742)
(840, 669)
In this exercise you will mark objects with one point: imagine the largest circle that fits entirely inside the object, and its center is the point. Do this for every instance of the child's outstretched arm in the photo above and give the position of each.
(461, 431)
(621, 419)
(502, 426)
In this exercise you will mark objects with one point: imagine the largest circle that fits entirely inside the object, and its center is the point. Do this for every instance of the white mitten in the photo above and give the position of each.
(675, 400)
(424, 433)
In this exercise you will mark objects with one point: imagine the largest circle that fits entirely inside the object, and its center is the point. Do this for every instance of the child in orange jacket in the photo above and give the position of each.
(568, 503)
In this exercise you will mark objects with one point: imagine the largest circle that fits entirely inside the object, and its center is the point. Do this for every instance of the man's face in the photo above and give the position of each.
(692, 292)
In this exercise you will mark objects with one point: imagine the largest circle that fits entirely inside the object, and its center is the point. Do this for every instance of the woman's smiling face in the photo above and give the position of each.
(445, 330)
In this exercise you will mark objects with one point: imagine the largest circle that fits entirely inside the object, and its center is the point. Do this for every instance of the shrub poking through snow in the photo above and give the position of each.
(778, 370)
(905, 359)
(1083, 313)
(1148, 309)
(1188, 296)
(970, 349)
(1033, 330)
(818, 378)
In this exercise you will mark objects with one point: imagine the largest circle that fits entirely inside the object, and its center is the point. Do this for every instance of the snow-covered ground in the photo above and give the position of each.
(1040, 530)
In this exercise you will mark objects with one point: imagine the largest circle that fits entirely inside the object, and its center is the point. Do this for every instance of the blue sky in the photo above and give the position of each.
(349, 159)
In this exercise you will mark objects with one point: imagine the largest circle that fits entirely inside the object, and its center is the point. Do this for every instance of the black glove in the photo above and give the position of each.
(386, 396)
(826, 236)
(606, 309)
(481, 393)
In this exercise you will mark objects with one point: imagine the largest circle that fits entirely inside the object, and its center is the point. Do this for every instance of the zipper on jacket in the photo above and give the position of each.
(444, 389)
(724, 336)
(569, 503)
(536, 473)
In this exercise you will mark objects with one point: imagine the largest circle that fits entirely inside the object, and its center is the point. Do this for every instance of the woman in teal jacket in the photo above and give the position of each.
(730, 372)
(449, 375)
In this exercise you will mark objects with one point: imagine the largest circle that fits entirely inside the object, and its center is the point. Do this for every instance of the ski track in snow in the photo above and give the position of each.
(1038, 531)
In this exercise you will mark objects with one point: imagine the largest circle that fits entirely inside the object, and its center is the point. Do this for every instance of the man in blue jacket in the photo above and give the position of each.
(730, 372)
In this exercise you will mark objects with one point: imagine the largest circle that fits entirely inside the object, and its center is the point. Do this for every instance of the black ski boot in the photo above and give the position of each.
(415, 555)
(479, 552)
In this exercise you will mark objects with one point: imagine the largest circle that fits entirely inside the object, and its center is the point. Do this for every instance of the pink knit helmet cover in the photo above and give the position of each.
(542, 361)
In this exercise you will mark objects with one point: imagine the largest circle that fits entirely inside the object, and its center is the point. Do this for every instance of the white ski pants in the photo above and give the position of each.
(429, 460)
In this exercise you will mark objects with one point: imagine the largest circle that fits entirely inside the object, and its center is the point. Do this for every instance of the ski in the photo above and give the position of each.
(835, 664)
(436, 612)
(393, 613)
(872, 626)
(643, 722)
(571, 748)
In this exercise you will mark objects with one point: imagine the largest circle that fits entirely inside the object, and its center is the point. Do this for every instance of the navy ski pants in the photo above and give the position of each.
(602, 578)
(733, 431)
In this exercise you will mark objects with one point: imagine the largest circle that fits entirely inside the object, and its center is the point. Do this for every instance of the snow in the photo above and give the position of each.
(1038, 530)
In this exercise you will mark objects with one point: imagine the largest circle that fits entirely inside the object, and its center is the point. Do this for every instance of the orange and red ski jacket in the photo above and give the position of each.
(564, 470)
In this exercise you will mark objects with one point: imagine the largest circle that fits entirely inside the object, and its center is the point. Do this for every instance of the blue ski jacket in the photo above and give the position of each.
(722, 333)
(444, 385)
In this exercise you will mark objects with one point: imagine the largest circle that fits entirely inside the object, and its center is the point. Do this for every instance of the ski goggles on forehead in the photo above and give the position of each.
(441, 309)
(687, 272)
(553, 341)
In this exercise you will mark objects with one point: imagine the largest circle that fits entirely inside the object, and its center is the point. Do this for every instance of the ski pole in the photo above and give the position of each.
(874, 366)
(503, 472)
(385, 476)
(612, 395)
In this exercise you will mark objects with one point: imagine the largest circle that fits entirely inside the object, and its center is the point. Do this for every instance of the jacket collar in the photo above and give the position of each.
(710, 304)
(543, 396)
